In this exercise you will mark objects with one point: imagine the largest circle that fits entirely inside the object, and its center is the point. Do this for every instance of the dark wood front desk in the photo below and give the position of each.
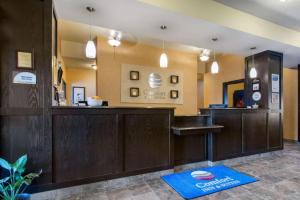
(92, 144)
(245, 132)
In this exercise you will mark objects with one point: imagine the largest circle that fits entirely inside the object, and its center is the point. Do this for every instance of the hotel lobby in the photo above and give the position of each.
(149, 99)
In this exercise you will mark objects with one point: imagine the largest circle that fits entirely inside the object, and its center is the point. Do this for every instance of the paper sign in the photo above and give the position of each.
(275, 83)
(275, 98)
(25, 60)
(24, 78)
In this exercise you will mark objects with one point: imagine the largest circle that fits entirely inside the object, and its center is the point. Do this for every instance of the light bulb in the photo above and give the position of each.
(90, 49)
(215, 67)
(163, 60)
(253, 73)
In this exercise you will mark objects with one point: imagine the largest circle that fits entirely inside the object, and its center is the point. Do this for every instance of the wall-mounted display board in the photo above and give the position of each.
(154, 85)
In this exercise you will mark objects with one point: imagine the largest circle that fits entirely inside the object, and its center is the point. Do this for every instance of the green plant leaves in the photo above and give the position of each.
(19, 165)
(4, 164)
(4, 180)
(16, 183)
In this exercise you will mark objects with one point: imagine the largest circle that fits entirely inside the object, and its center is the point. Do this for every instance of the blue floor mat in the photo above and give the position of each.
(200, 182)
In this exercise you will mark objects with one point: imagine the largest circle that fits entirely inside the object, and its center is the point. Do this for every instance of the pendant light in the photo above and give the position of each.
(163, 62)
(253, 72)
(214, 66)
(90, 49)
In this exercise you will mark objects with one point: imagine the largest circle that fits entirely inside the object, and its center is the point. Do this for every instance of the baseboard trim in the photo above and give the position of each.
(291, 141)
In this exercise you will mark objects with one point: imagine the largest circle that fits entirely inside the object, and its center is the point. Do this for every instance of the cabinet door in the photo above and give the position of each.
(274, 131)
(254, 132)
(147, 141)
(228, 142)
(84, 146)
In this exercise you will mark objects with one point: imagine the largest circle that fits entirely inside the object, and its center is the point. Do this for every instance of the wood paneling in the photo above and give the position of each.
(92, 144)
(266, 64)
(274, 130)
(189, 149)
(254, 132)
(227, 143)
(245, 132)
(25, 109)
(84, 146)
(147, 141)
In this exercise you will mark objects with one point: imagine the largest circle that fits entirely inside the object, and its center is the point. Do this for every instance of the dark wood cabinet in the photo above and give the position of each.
(227, 143)
(254, 132)
(147, 141)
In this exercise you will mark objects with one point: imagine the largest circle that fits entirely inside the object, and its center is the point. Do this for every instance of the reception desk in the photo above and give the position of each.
(245, 132)
(92, 144)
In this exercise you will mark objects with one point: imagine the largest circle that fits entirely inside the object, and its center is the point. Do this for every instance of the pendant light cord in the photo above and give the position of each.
(90, 21)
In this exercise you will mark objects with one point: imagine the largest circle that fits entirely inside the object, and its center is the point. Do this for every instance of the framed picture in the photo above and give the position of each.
(134, 75)
(174, 94)
(25, 59)
(174, 79)
(134, 92)
(78, 94)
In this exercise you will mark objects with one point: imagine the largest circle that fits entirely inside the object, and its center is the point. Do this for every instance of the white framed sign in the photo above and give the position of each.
(275, 83)
(275, 98)
(27, 78)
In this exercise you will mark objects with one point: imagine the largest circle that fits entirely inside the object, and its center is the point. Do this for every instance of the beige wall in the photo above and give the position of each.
(109, 71)
(231, 68)
(290, 104)
(81, 77)
(200, 93)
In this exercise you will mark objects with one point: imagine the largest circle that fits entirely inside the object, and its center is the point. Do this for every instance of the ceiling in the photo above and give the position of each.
(282, 13)
(79, 33)
(142, 21)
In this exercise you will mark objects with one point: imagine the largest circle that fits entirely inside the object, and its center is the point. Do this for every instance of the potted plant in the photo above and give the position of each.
(13, 186)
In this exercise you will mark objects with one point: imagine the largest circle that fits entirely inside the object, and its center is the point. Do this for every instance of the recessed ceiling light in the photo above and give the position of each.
(282, 0)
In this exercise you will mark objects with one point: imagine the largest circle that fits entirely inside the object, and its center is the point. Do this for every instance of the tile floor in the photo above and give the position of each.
(279, 174)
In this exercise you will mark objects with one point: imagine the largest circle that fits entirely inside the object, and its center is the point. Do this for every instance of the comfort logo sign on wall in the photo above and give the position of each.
(140, 84)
